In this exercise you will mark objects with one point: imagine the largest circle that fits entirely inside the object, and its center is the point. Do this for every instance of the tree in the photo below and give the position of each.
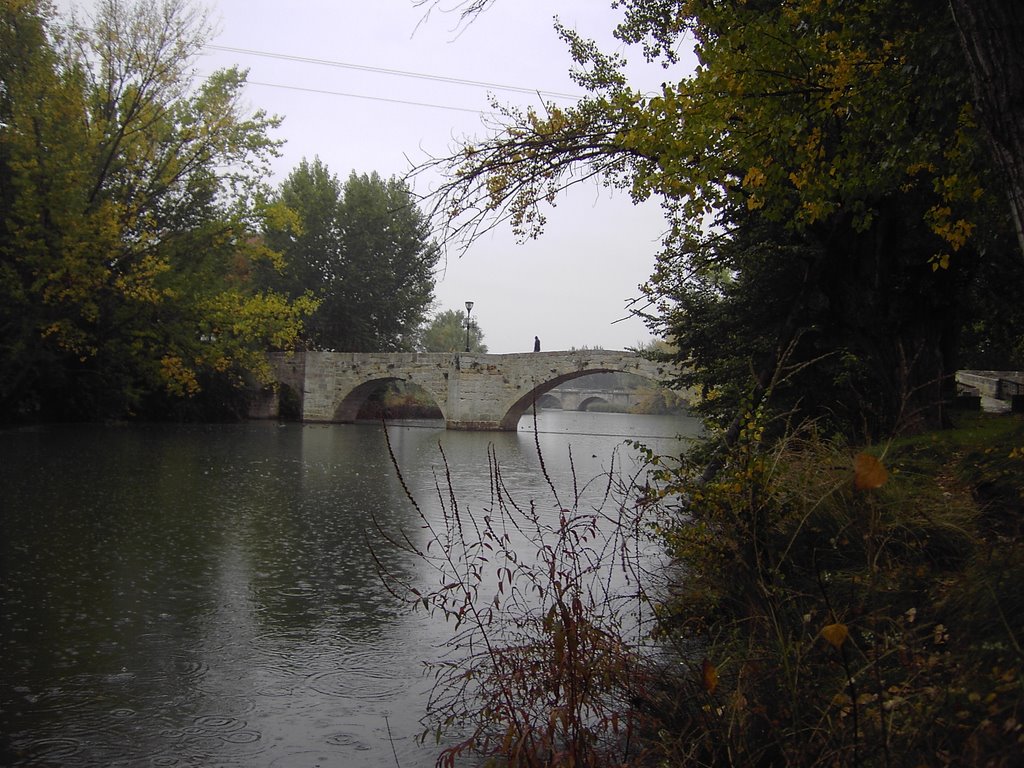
(363, 249)
(130, 196)
(307, 232)
(846, 134)
(391, 258)
(992, 33)
(856, 151)
(32, 194)
(836, 222)
(992, 37)
(447, 333)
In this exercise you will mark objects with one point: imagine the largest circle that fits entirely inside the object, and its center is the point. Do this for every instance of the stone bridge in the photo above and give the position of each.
(573, 399)
(473, 391)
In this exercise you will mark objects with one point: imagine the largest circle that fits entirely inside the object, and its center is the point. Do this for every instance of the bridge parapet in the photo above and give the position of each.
(994, 386)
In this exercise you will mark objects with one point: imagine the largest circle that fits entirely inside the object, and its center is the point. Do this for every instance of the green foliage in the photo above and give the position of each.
(363, 250)
(805, 110)
(852, 201)
(306, 230)
(850, 610)
(447, 333)
(860, 343)
(829, 195)
(129, 196)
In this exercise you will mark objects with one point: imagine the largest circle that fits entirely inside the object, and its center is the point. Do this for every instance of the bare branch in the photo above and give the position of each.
(528, 161)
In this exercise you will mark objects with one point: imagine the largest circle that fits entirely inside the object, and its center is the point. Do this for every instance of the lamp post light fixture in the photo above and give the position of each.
(469, 308)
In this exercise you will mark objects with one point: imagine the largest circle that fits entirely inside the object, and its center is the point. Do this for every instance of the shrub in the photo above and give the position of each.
(549, 644)
(842, 608)
(825, 605)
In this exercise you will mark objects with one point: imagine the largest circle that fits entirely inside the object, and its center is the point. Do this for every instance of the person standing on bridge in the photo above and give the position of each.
(536, 344)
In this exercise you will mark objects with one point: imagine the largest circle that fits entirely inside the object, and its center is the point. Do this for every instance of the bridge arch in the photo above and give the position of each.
(350, 404)
(515, 411)
(548, 400)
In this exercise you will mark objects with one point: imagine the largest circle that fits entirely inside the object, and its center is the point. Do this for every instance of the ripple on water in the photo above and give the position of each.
(298, 649)
(272, 681)
(180, 668)
(312, 759)
(238, 704)
(219, 723)
(244, 736)
(188, 667)
(54, 751)
(229, 729)
(369, 675)
(299, 590)
(53, 701)
(230, 739)
(345, 740)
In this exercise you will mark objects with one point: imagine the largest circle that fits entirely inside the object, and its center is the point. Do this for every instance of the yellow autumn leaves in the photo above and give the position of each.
(835, 634)
(868, 472)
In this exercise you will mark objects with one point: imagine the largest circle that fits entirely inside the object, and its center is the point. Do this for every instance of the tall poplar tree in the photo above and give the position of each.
(362, 248)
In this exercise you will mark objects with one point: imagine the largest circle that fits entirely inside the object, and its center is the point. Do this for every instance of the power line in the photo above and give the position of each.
(392, 72)
(361, 96)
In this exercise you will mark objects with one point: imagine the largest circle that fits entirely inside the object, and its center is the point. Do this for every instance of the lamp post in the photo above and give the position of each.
(469, 308)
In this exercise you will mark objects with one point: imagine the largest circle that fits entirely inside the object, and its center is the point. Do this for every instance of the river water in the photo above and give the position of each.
(204, 595)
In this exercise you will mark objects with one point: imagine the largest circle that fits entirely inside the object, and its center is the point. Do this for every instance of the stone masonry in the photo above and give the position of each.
(473, 391)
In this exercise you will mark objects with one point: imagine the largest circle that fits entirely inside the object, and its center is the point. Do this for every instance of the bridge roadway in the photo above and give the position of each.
(473, 391)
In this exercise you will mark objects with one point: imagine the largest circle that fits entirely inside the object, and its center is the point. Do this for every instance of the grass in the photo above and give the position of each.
(853, 623)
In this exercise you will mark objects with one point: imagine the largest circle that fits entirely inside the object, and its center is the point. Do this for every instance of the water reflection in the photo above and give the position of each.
(178, 595)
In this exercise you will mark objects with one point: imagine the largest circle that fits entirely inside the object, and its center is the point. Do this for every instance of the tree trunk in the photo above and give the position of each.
(992, 35)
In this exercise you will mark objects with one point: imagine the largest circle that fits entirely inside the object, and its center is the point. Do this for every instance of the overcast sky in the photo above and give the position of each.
(571, 286)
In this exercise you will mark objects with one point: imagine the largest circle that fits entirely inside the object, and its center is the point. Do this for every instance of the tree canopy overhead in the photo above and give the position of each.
(831, 196)
(131, 194)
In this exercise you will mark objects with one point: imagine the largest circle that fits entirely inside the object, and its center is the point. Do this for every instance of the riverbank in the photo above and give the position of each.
(855, 608)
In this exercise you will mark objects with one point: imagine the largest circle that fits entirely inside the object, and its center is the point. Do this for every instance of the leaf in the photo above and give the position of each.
(868, 472)
(835, 634)
(709, 676)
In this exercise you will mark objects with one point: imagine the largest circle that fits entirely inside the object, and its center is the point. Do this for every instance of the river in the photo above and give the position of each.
(203, 595)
